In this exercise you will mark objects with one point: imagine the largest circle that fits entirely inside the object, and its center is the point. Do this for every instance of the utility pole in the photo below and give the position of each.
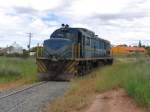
(140, 44)
(29, 45)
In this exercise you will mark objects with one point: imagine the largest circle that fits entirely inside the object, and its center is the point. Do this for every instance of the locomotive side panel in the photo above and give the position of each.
(94, 47)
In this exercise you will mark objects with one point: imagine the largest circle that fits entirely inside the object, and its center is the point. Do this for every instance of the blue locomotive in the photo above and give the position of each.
(72, 52)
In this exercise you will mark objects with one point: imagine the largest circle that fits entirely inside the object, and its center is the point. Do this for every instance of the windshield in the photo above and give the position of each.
(56, 43)
(68, 34)
(58, 47)
(65, 35)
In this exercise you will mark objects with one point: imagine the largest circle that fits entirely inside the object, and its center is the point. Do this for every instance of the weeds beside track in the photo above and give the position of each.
(12, 69)
(132, 74)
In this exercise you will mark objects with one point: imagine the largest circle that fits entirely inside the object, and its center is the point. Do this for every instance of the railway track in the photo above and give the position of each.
(31, 98)
(21, 90)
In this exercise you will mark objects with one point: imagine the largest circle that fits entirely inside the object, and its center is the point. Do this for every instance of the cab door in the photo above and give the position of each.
(80, 46)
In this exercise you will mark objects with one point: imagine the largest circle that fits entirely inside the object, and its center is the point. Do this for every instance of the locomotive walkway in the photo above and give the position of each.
(31, 98)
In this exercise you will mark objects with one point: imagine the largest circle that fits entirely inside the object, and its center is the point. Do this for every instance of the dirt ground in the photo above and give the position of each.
(11, 85)
(115, 100)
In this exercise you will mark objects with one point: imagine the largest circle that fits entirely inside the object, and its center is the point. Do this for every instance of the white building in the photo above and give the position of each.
(15, 48)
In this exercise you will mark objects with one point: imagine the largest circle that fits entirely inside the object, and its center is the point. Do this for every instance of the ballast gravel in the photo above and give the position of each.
(33, 99)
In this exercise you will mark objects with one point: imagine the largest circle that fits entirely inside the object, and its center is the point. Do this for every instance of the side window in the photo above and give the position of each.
(79, 37)
(92, 43)
(87, 41)
(101, 44)
(104, 45)
(97, 43)
(83, 40)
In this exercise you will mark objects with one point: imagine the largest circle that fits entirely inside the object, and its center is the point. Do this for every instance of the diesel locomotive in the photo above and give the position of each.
(72, 52)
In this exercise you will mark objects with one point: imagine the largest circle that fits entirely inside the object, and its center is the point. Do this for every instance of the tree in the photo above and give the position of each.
(140, 44)
(148, 49)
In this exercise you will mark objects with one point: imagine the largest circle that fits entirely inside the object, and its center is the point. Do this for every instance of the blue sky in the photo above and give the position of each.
(120, 21)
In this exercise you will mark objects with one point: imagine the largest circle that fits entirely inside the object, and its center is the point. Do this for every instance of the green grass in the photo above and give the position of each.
(134, 77)
(132, 74)
(12, 69)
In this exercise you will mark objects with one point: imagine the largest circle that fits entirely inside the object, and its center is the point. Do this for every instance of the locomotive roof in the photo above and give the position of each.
(88, 33)
(85, 32)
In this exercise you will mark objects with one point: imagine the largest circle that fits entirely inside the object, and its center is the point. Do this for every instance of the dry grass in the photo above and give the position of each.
(133, 76)
(75, 98)
(81, 93)
(13, 84)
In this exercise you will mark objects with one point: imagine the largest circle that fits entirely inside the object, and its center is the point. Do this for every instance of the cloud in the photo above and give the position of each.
(24, 10)
(126, 16)
(117, 20)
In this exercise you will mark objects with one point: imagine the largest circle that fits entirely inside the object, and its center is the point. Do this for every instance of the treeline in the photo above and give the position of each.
(148, 49)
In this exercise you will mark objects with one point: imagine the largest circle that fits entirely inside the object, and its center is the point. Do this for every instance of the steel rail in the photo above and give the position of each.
(21, 90)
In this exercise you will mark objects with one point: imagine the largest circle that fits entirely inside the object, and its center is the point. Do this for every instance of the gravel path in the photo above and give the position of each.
(33, 99)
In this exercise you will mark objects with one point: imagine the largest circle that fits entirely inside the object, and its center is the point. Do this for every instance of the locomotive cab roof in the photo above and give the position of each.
(83, 31)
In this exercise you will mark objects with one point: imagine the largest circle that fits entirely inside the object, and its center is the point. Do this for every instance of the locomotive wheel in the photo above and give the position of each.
(110, 61)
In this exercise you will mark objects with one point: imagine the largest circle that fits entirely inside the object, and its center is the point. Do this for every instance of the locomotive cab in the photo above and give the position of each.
(61, 43)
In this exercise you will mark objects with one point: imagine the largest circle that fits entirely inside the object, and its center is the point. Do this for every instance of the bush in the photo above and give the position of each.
(12, 68)
(9, 72)
(133, 76)
(148, 50)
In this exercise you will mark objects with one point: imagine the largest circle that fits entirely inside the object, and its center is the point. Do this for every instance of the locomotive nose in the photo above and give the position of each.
(57, 48)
